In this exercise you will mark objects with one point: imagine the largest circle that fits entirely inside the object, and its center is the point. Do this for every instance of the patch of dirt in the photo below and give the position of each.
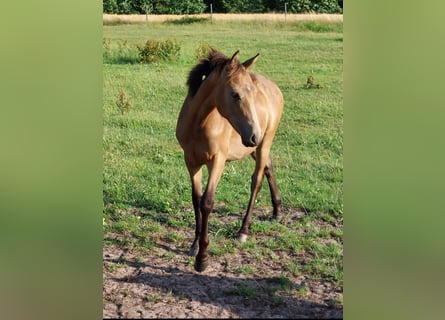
(161, 283)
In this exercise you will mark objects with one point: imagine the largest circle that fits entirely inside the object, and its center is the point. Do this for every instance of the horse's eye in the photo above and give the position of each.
(236, 96)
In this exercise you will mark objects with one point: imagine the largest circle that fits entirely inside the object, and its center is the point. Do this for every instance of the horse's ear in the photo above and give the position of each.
(249, 63)
(234, 59)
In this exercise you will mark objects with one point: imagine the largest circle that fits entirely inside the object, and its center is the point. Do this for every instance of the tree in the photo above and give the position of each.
(319, 6)
(110, 6)
(222, 6)
(179, 6)
(237, 6)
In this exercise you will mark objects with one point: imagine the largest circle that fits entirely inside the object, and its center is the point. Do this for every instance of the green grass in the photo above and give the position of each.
(144, 170)
(267, 293)
(308, 147)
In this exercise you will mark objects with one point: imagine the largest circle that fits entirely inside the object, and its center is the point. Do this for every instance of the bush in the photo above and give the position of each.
(157, 50)
(123, 102)
(119, 52)
(202, 51)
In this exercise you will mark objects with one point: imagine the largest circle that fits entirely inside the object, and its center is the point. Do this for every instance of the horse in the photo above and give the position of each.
(228, 114)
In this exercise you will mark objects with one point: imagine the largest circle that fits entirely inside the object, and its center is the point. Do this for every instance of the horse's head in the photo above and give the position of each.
(238, 103)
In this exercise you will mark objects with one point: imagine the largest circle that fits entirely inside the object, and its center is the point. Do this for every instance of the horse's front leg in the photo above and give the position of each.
(215, 167)
(196, 177)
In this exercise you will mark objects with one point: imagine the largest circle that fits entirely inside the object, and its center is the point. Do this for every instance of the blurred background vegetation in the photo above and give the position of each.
(222, 6)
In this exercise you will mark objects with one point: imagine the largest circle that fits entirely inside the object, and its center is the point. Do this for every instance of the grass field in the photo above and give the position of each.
(146, 185)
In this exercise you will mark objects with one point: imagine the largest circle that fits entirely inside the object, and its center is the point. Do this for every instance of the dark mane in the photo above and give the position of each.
(214, 60)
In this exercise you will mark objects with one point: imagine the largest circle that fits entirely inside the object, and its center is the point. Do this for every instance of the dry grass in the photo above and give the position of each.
(272, 17)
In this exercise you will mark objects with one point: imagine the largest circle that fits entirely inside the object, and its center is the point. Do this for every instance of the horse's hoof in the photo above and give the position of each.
(193, 251)
(242, 237)
(200, 266)
(277, 217)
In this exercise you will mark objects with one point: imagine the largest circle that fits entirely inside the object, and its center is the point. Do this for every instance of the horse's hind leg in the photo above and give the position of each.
(275, 195)
(263, 167)
(255, 186)
(196, 177)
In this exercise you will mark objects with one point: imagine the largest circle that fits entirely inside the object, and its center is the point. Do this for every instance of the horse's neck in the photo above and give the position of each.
(201, 105)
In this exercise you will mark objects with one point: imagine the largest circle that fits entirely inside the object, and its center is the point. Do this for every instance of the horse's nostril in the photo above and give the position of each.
(253, 139)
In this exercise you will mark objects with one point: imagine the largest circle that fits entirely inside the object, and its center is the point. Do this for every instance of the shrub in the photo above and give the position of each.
(123, 103)
(202, 50)
(157, 50)
(119, 52)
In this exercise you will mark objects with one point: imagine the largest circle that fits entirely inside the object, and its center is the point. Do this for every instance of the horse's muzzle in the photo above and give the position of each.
(250, 135)
(251, 142)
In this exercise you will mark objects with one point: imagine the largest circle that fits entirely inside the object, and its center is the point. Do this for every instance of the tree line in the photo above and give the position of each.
(220, 6)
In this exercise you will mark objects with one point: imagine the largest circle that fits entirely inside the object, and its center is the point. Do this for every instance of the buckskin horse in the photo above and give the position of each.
(228, 114)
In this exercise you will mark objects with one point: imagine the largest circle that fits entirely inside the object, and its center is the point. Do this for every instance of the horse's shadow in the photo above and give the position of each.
(248, 298)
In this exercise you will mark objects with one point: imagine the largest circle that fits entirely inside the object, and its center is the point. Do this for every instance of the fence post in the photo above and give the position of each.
(285, 12)
(211, 13)
(145, 6)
